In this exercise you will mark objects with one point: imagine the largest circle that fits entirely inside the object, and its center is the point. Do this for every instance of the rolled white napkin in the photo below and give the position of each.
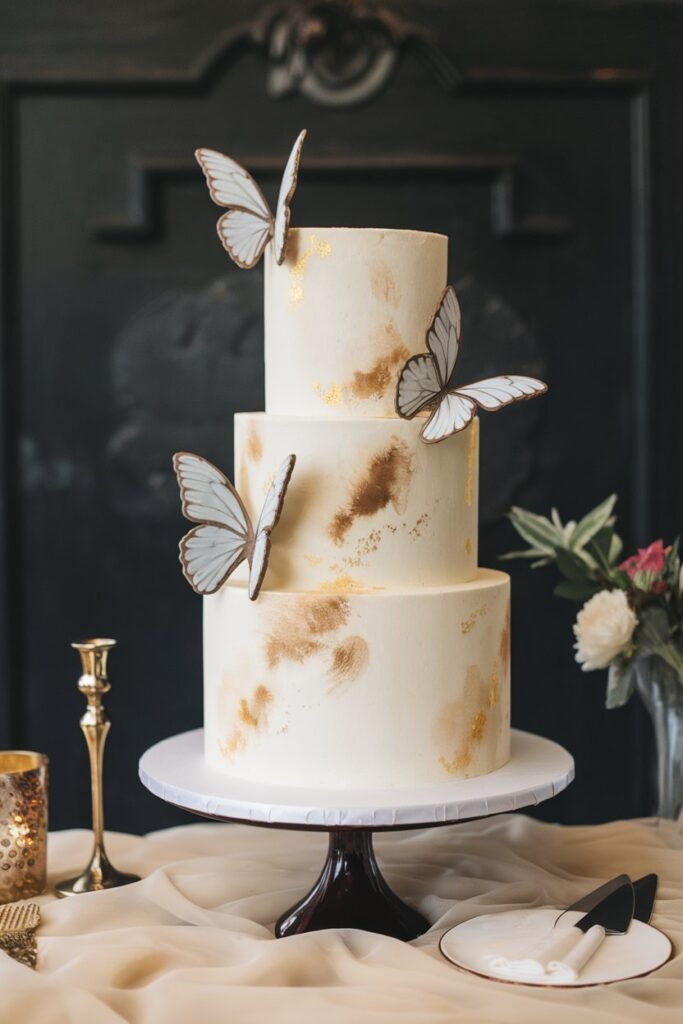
(559, 956)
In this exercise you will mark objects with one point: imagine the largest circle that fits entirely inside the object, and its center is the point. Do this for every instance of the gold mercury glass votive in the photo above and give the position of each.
(23, 824)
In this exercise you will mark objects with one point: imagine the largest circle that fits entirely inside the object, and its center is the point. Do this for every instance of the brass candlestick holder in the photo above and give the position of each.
(100, 873)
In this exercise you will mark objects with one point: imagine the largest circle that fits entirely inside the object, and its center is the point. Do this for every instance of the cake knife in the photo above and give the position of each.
(565, 951)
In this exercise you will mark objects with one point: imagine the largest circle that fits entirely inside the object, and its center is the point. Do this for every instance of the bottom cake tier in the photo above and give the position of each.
(367, 688)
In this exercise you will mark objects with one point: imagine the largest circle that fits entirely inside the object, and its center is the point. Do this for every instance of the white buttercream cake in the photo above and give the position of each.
(377, 653)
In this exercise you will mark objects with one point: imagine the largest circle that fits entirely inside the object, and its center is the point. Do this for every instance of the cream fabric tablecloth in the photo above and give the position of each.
(193, 942)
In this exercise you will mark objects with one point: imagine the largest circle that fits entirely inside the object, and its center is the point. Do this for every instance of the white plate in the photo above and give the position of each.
(175, 770)
(470, 945)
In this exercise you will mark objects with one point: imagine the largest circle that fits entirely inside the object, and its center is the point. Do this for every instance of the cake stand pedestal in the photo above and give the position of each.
(351, 892)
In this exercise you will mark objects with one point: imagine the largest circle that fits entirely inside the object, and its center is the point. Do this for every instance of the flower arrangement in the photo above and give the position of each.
(631, 608)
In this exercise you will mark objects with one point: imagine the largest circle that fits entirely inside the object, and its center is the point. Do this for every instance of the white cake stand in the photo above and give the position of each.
(351, 892)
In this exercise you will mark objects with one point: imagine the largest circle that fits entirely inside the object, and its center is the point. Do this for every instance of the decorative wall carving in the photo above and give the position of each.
(339, 54)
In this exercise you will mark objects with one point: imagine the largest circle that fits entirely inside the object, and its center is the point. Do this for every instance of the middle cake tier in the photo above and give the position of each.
(369, 506)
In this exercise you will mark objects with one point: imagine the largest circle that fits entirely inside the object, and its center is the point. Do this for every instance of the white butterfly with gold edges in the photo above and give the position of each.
(424, 382)
(225, 536)
(249, 224)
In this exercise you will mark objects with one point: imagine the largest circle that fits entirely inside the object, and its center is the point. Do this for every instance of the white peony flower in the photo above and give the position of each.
(603, 629)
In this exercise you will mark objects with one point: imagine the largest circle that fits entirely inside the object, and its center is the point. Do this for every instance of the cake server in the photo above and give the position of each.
(645, 890)
(591, 899)
(565, 951)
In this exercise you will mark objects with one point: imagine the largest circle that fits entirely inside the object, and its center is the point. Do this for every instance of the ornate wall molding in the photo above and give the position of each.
(142, 218)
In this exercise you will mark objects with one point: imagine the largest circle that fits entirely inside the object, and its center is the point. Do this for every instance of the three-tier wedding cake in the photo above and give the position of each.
(377, 652)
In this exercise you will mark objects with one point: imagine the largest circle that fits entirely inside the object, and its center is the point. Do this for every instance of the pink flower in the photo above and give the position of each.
(647, 560)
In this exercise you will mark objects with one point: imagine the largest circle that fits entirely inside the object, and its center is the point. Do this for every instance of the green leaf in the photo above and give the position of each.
(621, 682)
(572, 565)
(536, 530)
(527, 553)
(575, 590)
(592, 523)
(615, 549)
(557, 522)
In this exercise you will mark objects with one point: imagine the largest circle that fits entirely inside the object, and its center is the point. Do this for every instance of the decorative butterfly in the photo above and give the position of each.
(424, 382)
(225, 537)
(247, 227)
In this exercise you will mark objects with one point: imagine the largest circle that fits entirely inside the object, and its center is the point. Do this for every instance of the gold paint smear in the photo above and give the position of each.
(254, 445)
(468, 546)
(493, 689)
(468, 624)
(464, 721)
(383, 285)
(472, 449)
(296, 631)
(477, 727)
(316, 247)
(253, 713)
(313, 560)
(375, 382)
(349, 659)
(459, 763)
(504, 642)
(385, 481)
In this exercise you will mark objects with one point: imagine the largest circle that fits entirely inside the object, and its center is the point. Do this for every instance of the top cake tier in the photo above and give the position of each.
(343, 313)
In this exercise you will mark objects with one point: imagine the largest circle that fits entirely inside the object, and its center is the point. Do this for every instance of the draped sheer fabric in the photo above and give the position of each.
(193, 941)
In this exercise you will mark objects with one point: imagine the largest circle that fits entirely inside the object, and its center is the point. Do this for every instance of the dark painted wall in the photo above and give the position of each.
(545, 137)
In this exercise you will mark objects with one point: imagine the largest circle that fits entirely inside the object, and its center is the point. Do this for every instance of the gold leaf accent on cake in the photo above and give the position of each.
(385, 481)
(504, 642)
(468, 546)
(472, 449)
(296, 631)
(420, 522)
(365, 546)
(254, 445)
(333, 395)
(376, 381)
(383, 285)
(468, 624)
(312, 560)
(316, 247)
(349, 658)
(343, 585)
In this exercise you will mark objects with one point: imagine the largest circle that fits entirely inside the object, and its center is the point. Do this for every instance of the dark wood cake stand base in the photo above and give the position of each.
(351, 893)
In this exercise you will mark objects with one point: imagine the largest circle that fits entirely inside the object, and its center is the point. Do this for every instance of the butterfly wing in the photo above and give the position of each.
(452, 414)
(495, 393)
(270, 514)
(208, 496)
(443, 336)
(287, 189)
(246, 228)
(418, 385)
(208, 555)
(244, 236)
(230, 185)
(211, 551)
